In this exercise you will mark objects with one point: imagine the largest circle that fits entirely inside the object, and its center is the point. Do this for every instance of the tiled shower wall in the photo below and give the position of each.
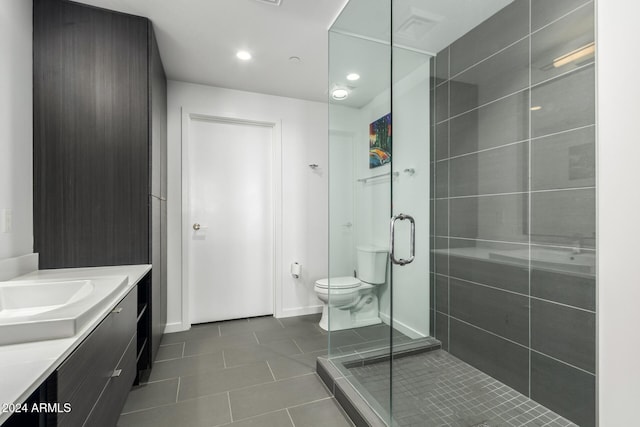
(514, 202)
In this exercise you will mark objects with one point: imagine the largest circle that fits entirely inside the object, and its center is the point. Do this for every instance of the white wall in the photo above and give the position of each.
(618, 213)
(304, 192)
(16, 135)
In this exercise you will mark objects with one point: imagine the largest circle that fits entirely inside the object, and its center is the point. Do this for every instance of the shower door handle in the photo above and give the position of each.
(412, 251)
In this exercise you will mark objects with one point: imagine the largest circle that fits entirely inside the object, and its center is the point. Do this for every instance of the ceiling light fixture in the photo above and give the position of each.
(353, 76)
(583, 52)
(244, 55)
(339, 94)
(536, 108)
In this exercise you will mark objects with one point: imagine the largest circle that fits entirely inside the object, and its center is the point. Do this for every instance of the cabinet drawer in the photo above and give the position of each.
(108, 408)
(86, 372)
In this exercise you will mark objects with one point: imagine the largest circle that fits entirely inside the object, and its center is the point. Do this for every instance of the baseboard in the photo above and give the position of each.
(300, 311)
(18, 266)
(401, 327)
(174, 327)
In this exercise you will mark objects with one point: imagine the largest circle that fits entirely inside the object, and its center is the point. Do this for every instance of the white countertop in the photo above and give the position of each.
(23, 367)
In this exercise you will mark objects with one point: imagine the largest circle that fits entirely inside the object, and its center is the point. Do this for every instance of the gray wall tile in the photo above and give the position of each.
(442, 179)
(567, 102)
(564, 217)
(492, 125)
(441, 219)
(501, 218)
(502, 359)
(501, 75)
(572, 288)
(565, 36)
(442, 141)
(505, 27)
(442, 329)
(565, 160)
(442, 102)
(442, 64)
(441, 255)
(503, 313)
(479, 262)
(500, 170)
(545, 11)
(564, 333)
(442, 293)
(563, 389)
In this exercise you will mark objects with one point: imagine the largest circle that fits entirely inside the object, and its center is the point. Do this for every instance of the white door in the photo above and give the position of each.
(230, 220)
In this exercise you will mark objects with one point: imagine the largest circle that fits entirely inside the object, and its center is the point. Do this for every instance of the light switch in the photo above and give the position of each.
(6, 220)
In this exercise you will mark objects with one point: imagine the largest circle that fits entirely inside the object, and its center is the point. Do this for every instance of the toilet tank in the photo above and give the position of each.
(372, 264)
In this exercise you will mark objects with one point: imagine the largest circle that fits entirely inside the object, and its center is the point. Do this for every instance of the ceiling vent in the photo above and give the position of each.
(271, 2)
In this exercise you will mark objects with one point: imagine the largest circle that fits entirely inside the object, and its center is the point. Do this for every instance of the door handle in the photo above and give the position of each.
(197, 227)
(412, 250)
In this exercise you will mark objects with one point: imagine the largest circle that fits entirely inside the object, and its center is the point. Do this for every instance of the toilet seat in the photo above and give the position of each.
(345, 282)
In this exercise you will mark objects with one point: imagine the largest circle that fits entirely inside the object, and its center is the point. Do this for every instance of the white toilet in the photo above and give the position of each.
(352, 302)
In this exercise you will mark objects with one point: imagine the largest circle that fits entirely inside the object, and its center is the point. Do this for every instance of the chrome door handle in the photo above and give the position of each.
(196, 226)
(412, 251)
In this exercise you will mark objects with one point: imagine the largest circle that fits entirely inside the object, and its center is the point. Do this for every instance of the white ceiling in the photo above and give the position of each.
(198, 40)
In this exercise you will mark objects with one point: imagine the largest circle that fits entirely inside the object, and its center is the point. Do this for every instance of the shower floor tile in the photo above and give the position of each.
(438, 389)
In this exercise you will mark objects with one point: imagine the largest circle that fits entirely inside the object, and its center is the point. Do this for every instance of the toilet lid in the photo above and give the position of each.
(339, 282)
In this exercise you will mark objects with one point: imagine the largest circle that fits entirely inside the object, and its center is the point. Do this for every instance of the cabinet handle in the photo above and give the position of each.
(116, 373)
(117, 310)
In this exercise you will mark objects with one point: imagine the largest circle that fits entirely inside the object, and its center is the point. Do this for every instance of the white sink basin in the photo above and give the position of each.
(43, 310)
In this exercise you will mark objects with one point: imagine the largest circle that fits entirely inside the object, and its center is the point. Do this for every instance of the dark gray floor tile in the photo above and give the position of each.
(566, 102)
(294, 366)
(323, 413)
(564, 218)
(253, 324)
(442, 330)
(300, 330)
(564, 333)
(186, 366)
(501, 75)
(484, 262)
(196, 332)
(309, 320)
(216, 344)
(505, 27)
(242, 355)
(503, 313)
(567, 287)
(442, 64)
(265, 398)
(273, 419)
(500, 170)
(151, 395)
(442, 102)
(442, 293)
(505, 361)
(502, 218)
(203, 412)
(501, 122)
(566, 36)
(375, 332)
(335, 339)
(563, 389)
(222, 380)
(169, 351)
(442, 141)
(545, 11)
(565, 160)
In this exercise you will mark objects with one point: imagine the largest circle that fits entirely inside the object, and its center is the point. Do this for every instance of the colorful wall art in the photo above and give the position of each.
(380, 142)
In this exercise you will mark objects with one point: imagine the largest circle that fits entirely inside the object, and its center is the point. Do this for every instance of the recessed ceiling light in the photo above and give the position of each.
(295, 59)
(339, 94)
(244, 55)
(353, 76)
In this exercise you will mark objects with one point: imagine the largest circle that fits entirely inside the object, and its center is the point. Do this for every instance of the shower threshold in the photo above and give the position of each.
(430, 388)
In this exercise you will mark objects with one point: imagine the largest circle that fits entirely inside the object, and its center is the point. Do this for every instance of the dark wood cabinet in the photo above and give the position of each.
(100, 140)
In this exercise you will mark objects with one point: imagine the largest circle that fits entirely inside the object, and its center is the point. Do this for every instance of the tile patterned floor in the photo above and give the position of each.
(437, 389)
(251, 372)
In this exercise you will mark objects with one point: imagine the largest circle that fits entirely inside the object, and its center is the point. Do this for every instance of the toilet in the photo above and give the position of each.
(352, 302)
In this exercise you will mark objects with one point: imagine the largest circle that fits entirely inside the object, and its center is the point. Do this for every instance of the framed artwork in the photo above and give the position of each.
(380, 142)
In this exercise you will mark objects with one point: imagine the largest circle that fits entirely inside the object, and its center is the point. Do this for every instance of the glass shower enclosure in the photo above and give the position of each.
(462, 212)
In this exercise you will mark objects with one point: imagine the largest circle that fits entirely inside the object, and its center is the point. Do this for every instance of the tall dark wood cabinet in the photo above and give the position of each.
(100, 130)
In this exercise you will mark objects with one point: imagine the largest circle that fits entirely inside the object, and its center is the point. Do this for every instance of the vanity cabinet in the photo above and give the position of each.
(99, 131)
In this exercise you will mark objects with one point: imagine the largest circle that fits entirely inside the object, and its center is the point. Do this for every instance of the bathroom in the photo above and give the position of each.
(505, 198)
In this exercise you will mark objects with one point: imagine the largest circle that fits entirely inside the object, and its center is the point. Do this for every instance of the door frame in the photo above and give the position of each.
(276, 201)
